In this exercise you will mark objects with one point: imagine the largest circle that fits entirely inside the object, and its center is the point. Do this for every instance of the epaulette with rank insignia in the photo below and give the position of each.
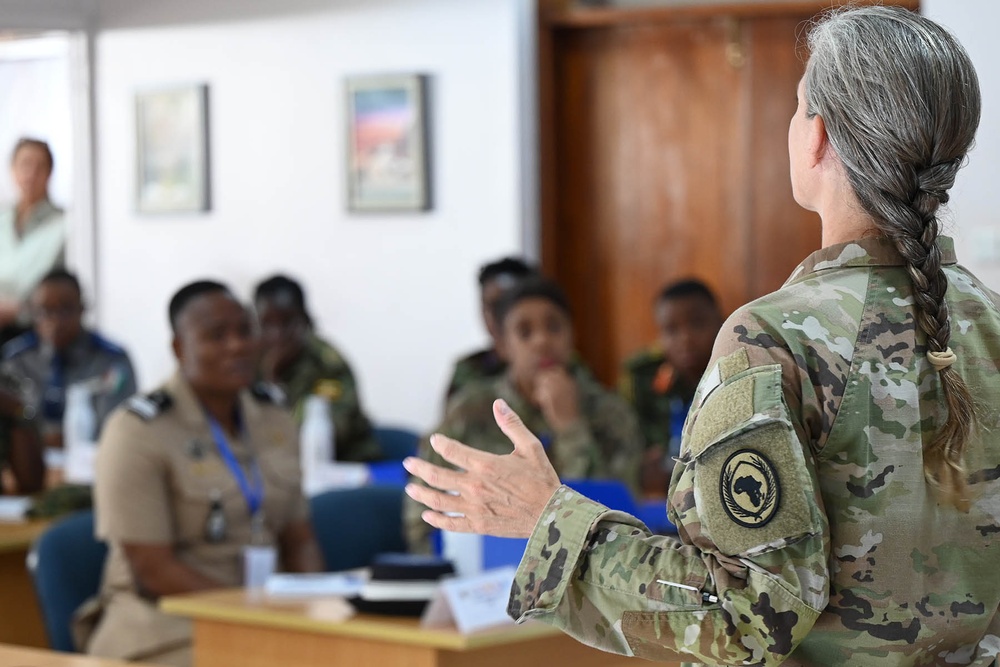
(266, 392)
(149, 406)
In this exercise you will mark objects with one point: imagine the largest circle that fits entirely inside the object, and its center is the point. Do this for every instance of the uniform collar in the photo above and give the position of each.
(863, 252)
(190, 410)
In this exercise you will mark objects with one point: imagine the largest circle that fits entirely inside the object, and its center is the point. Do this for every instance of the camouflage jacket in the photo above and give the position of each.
(808, 534)
(323, 370)
(606, 443)
(659, 397)
(476, 367)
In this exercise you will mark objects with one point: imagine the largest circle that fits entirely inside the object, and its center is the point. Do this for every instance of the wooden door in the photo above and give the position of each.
(664, 156)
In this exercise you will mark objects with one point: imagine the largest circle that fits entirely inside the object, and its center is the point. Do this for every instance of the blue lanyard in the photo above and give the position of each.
(253, 490)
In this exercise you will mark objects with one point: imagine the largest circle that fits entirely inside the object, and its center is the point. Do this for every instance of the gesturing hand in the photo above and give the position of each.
(496, 495)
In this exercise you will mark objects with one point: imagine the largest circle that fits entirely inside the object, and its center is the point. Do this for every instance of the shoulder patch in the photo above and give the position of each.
(19, 345)
(265, 392)
(730, 365)
(148, 406)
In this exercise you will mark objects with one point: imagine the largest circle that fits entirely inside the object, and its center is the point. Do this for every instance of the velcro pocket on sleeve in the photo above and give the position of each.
(753, 489)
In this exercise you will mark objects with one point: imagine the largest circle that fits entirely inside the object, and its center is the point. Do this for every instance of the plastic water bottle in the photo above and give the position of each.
(79, 431)
(316, 445)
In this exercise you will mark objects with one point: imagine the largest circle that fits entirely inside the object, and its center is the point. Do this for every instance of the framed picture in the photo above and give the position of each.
(387, 144)
(172, 169)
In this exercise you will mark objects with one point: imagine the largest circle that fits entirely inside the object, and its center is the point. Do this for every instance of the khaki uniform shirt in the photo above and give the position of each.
(807, 532)
(158, 469)
(323, 370)
(604, 444)
(90, 359)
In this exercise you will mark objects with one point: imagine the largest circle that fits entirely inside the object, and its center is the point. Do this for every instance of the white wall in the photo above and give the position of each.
(975, 223)
(396, 292)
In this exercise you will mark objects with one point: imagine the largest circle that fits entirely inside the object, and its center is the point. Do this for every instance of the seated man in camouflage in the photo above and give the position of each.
(302, 364)
(587, 431)
(22, 469)
(494, 279)
(660, 381)
(61, 352)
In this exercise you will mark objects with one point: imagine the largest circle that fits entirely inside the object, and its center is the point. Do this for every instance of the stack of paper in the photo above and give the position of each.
(14, 508)
(345, 584)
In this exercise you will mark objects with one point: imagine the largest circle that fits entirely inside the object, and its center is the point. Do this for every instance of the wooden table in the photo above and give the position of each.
(33, 657)
(233, 628)
(20, 617)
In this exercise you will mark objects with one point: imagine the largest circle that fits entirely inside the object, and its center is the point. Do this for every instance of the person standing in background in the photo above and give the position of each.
(302, 364)
(660, 381)
(32, 233)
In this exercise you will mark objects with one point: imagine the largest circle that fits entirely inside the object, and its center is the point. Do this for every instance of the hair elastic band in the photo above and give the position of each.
(941, 360)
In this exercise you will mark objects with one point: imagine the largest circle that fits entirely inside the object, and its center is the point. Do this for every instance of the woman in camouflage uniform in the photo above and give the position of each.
(837, 493)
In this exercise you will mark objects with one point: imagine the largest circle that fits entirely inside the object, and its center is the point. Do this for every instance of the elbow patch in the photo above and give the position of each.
(752, 487)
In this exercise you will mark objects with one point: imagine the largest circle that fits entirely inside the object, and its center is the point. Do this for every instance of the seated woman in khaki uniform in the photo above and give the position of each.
(190, 474)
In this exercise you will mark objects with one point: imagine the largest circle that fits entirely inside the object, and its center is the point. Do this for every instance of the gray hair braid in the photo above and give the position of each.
(900, 100)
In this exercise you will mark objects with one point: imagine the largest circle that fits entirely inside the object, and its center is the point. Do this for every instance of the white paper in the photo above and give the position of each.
(472, 603)
(81, 459)
(345, 584)
(337, 475)
(13, 508)
(464, 550)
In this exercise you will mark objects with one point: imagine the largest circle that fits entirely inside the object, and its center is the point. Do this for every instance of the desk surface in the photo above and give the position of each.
(236, 605)
(33, 657)
(19, 536)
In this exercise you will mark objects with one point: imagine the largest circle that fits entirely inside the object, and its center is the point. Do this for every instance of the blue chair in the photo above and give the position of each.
(614, 494)
(397, 443)
(352, 526)
(66, 563)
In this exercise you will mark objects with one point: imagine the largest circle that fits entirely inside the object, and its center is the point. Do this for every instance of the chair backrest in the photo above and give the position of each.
(397, 443)
(353, 525)
(66, 563)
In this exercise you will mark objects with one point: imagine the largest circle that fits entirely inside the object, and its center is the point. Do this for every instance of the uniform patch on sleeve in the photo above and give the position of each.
(150, 405)
(729, 407)
(753, 487)
(737, 362)
(750, 488)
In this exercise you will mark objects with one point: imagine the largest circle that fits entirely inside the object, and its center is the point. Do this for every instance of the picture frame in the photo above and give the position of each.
(388, 163)
(172, 154)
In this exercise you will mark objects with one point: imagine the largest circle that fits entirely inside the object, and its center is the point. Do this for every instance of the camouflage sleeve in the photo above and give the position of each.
(748, 577)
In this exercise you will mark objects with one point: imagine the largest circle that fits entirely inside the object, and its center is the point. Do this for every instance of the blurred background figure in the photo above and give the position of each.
(32, 233)
(660, 381)
(60, 353)
(587, 431)
(22, 467)
(495, 278)
(303, 365)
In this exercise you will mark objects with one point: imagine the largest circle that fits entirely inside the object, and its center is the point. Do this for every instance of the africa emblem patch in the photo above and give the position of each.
(749, 488)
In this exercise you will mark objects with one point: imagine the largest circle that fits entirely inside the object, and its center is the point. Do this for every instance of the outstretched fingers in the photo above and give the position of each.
(510, 423)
